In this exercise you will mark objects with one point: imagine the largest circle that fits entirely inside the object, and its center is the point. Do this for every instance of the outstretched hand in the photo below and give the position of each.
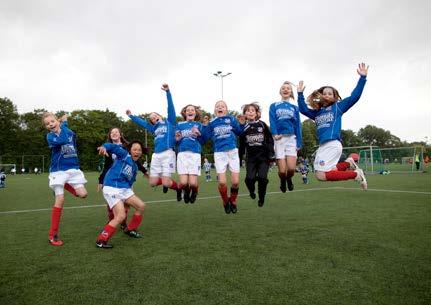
(165, 87)
(241, 119)
(362, 69)
(300, 86)
(128, 112)
(102, 151)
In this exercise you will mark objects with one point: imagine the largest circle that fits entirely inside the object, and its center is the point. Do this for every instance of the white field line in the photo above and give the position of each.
(214, 197)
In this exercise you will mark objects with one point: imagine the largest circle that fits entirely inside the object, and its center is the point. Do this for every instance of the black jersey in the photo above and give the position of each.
(256, 142)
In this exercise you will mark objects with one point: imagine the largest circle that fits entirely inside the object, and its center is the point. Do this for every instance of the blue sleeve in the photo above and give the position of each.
(348, 102)
(303, 108)
(172, 117)
(298, 130)
(201, 139)
(205, 134)
(238, 129)
(58, 140)
(118, 150)
(273, 120)
(139, 121)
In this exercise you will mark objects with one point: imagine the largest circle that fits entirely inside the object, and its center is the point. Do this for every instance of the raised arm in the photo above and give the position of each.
(303, 108)
(141, 122)
(172, 117)
(348, 102)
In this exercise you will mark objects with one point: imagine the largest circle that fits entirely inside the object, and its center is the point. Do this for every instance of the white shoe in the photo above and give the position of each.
(360, 177)
(352, 163)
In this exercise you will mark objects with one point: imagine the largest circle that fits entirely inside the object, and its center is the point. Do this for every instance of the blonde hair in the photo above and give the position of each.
(291, 88)
(220, 101)
(48, 114)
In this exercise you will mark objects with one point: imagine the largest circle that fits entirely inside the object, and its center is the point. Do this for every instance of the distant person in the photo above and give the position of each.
(304, 172)
(327, 108)
(2, 178)
(286, 129)
(258, 144)
(417, 162)
(13, 171)
(35, 170)
(207, 168)
(23, 170)
(163, 159)
(64, 172)
(117, 190)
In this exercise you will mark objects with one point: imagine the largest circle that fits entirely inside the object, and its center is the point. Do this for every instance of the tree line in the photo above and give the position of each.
(24, 135)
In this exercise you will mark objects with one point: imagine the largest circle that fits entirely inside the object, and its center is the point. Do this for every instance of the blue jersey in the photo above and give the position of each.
(122, 173)
(64, 154)
(328, 119)
(284, 120)
(164, 130)
(223, 131)
(189, 141)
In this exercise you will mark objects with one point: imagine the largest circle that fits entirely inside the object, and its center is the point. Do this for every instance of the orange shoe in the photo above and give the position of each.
(55, 240)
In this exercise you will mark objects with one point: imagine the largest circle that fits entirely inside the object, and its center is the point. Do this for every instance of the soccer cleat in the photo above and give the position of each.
(165, 189)
(360, 177)
(233, 208)
(283, 186)
(103, 244)
(186, 195)
(253, 195)
(352, 163)
(260, 203)
(193, 197)
(55, 241)
(227, 208)
(179, 194)
(133, 233)
(289, 184)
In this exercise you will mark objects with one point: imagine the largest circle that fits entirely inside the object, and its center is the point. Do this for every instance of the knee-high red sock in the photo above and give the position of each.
(135, 222)
(55, 220)
(159, 182)
(223, 193)
(174, 185)
(340, 175)
(107, 232)
(233, 194)
(110, 213)
(342, 166)
(70, 189)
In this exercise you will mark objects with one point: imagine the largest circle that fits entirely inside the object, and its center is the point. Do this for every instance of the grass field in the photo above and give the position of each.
(324, 243)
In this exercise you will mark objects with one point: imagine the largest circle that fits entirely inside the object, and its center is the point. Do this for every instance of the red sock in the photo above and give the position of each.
(107, 232)
(223, 193)
(174, 185)
(180, 186)
(159, 182)
(135, 222)
(335, 175)
(70, 189)
(55, 220)
(110, 213)
(342, 166)
(233, 194)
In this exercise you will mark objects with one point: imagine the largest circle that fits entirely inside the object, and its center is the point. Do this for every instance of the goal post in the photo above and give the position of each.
(7, 168)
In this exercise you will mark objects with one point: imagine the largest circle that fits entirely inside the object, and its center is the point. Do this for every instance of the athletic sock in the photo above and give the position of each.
(135, 222)
(282, 176)
(223, 193)
(107, 232)
(290, 173)
(342, 166)
(70, 189)
(174, 185)
(159, 182)
(233, 194)
(335, 175)
(55, 220)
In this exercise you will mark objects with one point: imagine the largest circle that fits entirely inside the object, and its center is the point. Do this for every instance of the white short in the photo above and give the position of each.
(284, 147)
(189, 163)
(74, 177)
(163, 164)
(114, 195)
(225, 158)
(327, 156)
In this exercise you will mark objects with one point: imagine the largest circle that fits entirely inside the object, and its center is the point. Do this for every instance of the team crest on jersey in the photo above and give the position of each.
(322, 163)
(227, 121)
(259, 129)
(171, 165)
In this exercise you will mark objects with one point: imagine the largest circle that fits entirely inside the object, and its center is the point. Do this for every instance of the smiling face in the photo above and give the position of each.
(50, 122)
(115, 135)
(155, 118)
(190, 113)
(136, 151)
(220, 109)
(328, 95)
(250, 113)
(286, 91)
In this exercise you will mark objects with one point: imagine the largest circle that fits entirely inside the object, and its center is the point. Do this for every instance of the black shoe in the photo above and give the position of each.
(227, 208)
(179, 195)
(193, 197)
(133, 233)
(103, 244)
(260, 203)
(186, 195)
(233, 208)
(283, 186)
(123, 227)
(253, 195)
(165, 189)
(289, 184)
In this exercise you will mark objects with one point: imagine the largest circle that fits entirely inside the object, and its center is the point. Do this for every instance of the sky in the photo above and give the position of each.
(69, 55)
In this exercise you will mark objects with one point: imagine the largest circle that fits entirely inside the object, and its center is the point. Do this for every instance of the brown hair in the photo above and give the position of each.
(316, 97)
(122, 138)
(256, 107)
(197, 109)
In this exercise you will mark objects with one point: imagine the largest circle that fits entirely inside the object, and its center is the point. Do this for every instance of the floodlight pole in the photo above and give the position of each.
(221, 75)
